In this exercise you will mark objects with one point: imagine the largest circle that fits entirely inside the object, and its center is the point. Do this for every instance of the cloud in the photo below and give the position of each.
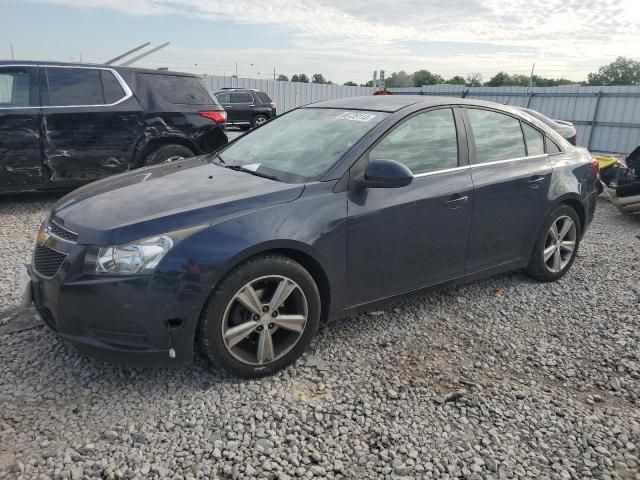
(560, 34)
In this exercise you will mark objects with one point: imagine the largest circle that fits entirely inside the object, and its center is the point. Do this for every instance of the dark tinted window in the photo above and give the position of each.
(497, 136)
(263, 97)
(424, 143)
(15, 87)
(552, 147)
(223, 97)
(74, 86)
(241, 97)
(112, 89)
(178, 89)
(534, 139)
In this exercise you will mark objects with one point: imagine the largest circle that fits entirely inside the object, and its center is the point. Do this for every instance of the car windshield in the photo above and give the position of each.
(301, 145)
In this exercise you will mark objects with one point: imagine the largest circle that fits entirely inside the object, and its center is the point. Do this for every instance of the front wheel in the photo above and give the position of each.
(261, 317)
(556, 246)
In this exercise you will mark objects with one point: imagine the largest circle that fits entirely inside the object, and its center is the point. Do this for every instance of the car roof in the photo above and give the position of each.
(393, 103)
(45, 63)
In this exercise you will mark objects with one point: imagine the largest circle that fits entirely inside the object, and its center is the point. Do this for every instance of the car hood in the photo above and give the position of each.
(165, 198)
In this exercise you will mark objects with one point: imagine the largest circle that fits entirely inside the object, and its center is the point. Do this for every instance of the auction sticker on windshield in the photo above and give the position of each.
(356, 116)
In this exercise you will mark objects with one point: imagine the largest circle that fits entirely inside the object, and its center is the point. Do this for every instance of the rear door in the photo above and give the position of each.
(20, 153)
(91, 123)
(511, 181)
(401, 239)
(242, 103)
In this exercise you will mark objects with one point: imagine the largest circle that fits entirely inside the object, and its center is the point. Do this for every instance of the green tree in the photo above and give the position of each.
(503, 79)
(318, 78)
(622, 71)
(301, 77)
(425, 77)
(399, 79)
(457, 80)
(474, 79)
(350, 84)
(367, 84)
(282, 78)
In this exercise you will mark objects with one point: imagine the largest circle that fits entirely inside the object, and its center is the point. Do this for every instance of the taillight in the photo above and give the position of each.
(573, 140)
(216, 116)
(273, 105)
(595, 165)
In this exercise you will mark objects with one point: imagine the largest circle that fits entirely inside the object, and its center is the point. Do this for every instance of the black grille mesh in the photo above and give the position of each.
(46, 261)
(61, 232)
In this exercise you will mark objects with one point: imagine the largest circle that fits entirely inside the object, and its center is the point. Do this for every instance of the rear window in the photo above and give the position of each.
(74, 86)
(178, 89)
(263, 97)
(112, 89)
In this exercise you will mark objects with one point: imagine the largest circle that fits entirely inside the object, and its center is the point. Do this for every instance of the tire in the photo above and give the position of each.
(168, 153)
(259, 120)
(560, 258)
(244, 352)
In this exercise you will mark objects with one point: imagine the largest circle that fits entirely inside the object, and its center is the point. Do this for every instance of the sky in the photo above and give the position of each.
(342, 39)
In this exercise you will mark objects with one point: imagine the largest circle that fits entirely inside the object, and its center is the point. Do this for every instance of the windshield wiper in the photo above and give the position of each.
(240, 168)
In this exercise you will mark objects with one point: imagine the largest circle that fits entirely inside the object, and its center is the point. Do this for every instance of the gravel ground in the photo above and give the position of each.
(502, 378)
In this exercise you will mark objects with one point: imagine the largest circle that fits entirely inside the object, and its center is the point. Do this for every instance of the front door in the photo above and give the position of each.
(91, 123)
(511, 179)
(20, 152)
(405, 238)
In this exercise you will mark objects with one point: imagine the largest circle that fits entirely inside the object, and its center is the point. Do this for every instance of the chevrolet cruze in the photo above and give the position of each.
(326, 210)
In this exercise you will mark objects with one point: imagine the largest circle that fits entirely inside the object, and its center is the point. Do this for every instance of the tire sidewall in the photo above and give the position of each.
(163, 153)
(210, 331)
(255, 120)
(537, 259)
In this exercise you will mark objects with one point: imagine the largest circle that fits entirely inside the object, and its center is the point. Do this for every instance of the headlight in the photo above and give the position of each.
(141, 256)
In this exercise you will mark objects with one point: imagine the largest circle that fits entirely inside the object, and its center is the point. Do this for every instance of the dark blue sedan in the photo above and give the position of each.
(323, 211)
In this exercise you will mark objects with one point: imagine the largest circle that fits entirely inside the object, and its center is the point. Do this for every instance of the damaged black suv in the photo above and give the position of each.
(63, 125)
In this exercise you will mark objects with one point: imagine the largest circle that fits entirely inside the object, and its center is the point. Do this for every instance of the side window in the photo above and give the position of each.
(223, 97)
(74, 86)
(497, 136)
(15, 87)
(241, 97)
(111, 88)
(425, 143)
(552, 147)
(534, 139)
(263, 97)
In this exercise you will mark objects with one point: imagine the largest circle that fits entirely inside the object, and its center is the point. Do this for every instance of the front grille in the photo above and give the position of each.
(46, 261)
(61, 232)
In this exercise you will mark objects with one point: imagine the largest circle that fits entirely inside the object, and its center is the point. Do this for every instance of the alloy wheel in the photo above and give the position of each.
(260, 120)
(264, 320)
(560, 244)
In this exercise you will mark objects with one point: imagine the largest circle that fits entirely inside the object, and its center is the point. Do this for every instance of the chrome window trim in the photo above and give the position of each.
(445, 170)
(498, 162)
(127, 91)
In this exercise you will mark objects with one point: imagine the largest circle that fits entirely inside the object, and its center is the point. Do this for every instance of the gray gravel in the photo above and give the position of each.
(502, 378)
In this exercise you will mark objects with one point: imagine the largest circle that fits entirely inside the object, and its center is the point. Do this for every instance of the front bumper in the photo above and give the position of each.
(134, 320)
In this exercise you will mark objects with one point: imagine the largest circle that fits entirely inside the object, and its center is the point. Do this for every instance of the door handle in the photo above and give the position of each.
(535, 181)
(456, 201)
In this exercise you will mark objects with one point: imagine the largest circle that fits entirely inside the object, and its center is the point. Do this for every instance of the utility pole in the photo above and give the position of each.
(531, 76)
(236, 69)
(274, 73)
(12, 52)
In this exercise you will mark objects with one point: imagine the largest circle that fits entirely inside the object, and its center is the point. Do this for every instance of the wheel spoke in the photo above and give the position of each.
(265, 347)
(291, 322)
(236, 334)
(283, 290)
(566, 226)
(556, 261)
(249, 298)
(568, 245)
(548, 252)
(554, 231)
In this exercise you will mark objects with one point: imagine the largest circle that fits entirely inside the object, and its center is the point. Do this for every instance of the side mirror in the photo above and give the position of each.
(384, 174)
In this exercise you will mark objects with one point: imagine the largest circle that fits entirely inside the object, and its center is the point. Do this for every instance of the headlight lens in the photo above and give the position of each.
(142, 256)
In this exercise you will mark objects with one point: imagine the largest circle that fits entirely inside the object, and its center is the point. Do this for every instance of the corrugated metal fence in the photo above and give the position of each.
(607, 118)
(288, 95)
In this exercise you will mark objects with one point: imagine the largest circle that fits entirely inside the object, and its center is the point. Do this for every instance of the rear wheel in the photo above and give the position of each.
(259, 120)
(261, 317)
(556, 246)
(168, 153)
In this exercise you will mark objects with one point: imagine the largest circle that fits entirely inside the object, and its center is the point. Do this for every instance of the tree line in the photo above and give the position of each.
(622, 71)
